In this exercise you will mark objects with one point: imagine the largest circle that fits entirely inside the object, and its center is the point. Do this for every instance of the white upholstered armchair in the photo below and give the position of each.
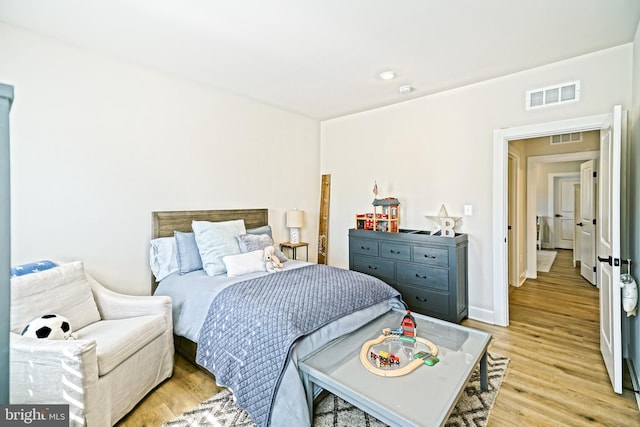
(124, 345)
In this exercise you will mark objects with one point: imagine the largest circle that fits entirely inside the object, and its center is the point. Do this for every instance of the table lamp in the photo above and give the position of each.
(294, 220)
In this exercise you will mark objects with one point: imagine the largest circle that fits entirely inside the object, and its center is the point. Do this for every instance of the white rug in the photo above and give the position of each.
(472, 409)
(545, 260)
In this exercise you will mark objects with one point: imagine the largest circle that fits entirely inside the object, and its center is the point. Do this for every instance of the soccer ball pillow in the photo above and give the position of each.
(48, 327)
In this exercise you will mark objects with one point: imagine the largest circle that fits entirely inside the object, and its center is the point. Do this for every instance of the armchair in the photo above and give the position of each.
(124, 345)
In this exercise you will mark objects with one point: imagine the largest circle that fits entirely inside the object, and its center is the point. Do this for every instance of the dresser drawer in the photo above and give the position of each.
(393, 251)
(364, 247)
(375, 267)
(431, 256)
(423, 276)
(425, 301)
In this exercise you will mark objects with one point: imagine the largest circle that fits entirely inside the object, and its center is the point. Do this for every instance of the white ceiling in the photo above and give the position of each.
(322, 58)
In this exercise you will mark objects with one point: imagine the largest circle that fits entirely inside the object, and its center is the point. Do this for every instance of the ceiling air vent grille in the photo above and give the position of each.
(553, 95)
(566, 138)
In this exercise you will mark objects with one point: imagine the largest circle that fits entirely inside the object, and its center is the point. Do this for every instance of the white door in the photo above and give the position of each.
(587, 219)
(563, 223)
(609, 247)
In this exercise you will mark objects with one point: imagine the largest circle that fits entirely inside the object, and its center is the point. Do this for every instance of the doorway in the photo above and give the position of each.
(500, 201)
(550, 206)
(533, 165)
(610, 228)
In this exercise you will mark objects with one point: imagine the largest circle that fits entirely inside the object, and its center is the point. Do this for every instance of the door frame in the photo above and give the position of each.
(501, 138)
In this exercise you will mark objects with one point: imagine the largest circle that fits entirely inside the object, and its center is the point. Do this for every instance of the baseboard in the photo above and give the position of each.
(482, 315)
(523, 279)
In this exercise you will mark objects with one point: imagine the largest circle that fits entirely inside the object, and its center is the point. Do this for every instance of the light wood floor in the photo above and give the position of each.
(556, 375)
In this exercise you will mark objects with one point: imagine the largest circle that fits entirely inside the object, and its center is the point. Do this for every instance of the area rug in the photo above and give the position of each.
(471, 410)
(545, 260)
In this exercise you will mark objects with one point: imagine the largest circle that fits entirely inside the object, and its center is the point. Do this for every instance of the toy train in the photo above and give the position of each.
(384, 358)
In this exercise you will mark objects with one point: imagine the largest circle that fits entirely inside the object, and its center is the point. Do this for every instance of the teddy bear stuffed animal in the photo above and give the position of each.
(273, 264)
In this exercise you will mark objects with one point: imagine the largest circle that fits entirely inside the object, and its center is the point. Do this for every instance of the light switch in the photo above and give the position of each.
(468, 210)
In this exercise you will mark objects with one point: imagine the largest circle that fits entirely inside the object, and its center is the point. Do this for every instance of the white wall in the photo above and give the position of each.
(98, 144)
(438, 149)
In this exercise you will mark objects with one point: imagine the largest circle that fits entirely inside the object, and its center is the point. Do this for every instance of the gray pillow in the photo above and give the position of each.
(265, 229)
(253, 242)
(188, 255)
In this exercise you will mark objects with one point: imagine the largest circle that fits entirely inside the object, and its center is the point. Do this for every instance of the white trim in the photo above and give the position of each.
(501, 138)
(481, 314)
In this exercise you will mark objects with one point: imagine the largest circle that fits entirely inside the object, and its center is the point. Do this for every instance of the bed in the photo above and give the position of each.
(232, 326)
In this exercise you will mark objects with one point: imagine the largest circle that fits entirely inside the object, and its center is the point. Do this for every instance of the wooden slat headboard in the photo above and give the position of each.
(165, 223)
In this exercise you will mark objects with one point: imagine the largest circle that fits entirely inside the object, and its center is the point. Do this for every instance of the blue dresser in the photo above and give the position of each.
(429, 271)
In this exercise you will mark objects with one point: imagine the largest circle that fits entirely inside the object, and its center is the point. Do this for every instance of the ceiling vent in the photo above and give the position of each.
(566, 138)
(553, 95)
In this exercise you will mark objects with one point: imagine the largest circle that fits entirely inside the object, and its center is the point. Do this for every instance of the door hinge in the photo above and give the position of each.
(594, 269)
(595, 174)
(594, 221)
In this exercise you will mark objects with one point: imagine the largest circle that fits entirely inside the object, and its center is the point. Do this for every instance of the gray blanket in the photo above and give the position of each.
(251, 326)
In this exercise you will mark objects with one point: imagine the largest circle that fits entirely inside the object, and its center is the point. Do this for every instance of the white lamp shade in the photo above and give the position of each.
(295, 219)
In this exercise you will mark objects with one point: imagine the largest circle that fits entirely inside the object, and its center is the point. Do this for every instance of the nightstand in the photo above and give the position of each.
(294, 247)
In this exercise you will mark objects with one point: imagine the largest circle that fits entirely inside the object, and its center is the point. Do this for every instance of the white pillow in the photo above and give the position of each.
(163, 257)
(216, 240)
(64, 290)
(249, 262)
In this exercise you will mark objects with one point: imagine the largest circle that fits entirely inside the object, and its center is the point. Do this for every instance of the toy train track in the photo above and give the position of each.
(396, 372)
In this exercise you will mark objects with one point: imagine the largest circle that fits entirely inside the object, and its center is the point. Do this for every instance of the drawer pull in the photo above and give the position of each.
(430, 256)
(395, 252)
(420, 277)
(421, 299)
(364, 249)
(373, 267)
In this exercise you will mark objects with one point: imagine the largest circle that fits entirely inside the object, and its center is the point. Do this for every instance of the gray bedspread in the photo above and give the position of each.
(251, 326)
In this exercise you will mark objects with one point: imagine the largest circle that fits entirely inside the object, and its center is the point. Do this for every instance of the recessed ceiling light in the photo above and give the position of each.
(387, 75)
(405, 89)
